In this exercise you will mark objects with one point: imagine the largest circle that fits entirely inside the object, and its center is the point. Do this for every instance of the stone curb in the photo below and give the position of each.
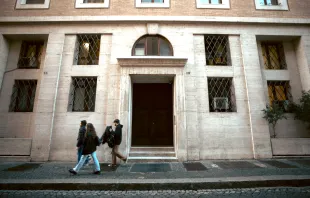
(156, 184)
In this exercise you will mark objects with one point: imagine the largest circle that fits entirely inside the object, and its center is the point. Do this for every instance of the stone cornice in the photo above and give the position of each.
(152, 61)
(200, 19)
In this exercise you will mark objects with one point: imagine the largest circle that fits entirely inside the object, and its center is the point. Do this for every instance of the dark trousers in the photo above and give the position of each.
(116, 153)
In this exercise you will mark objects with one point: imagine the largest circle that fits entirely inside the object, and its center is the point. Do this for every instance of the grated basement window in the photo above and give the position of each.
(273, 54)
(269, 2)
(30, 54)
(83, 94)
(217, 50)
(93, 1)
(221, 95)
(87, 49)
(23, 95)
(279, 93)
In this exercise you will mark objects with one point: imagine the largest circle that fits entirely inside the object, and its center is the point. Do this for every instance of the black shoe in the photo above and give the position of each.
(96, 172)
(73, 171)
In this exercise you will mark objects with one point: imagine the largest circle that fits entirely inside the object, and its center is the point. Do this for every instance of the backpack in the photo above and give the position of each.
(111, 140)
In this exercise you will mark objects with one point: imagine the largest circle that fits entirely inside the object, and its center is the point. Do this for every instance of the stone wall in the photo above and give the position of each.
(198, 133)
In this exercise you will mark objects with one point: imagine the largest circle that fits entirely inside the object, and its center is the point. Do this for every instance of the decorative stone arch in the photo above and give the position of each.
(152, 45)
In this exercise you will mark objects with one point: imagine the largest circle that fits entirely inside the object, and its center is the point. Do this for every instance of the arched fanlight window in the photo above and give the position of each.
(150, 45)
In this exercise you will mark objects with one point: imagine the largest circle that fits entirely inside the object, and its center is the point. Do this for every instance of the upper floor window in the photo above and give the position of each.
(217, 50)
(30, 54)
(153, 3)
(32, 4)
(273, 55)
(87, 49)
(271, 4)
(92, 3)
(152, 46)
(225, 4)
(23, 95)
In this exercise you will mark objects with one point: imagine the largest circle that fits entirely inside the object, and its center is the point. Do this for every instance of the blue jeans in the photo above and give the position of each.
(79, 153)
(83, 159)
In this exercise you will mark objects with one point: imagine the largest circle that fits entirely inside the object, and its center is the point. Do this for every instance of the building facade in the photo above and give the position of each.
(188, 79)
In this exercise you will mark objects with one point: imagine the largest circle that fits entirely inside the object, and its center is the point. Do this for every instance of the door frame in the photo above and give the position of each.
(179, 114)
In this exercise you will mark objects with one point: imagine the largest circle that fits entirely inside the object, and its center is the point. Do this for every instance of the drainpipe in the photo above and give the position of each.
(55, 99)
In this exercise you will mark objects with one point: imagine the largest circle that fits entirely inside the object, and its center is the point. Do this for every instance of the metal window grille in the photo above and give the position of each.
(273, 55)
(217, 50)
(221, 95)
(87, 49)
(30, 54)
(269, 2)
(35, 1)
(93, 1)
(279, 93)
(83, 94)
(23, 95)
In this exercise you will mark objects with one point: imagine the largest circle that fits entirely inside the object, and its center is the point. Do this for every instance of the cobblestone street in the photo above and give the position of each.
(251, 192)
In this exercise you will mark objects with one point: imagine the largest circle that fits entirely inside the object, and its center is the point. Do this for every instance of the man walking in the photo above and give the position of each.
(118, 140)
(80, 140)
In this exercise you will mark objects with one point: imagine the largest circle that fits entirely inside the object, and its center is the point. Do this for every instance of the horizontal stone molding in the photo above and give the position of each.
(290, 146)
(144, 19)
(15, 146)
(152, 61)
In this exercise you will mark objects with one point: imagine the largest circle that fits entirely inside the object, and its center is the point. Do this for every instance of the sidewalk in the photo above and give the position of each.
(208, 174)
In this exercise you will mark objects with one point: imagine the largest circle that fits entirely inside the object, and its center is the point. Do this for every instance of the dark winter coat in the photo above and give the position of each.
(118, 134)
(90, 144)
(105, 135)
(81, 136)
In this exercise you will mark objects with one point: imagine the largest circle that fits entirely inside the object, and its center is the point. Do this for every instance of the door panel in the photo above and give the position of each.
(152, 115)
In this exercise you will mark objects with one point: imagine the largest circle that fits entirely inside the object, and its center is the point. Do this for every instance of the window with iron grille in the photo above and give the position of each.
(23, 95)
(217, 50)
(87, 49)
(30, 54)
(269, 2)
(152, 1)
(279, 93)
(221, 95)
(273, 54)
(211, 1)
(93, 1)
(152, 46)
(83, 94)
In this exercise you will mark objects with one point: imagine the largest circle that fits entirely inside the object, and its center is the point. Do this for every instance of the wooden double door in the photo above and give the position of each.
(152, 121)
